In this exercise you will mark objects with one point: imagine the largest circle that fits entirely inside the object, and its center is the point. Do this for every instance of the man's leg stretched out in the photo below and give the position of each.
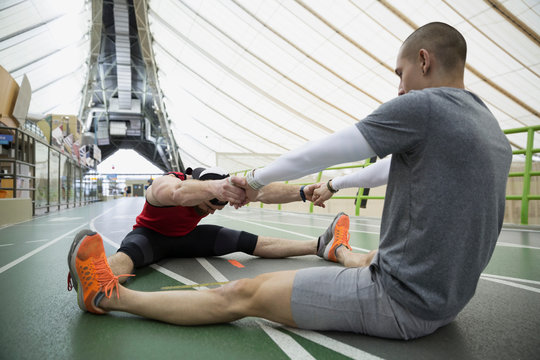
(324, 298)
(95, 282)
(142, 247)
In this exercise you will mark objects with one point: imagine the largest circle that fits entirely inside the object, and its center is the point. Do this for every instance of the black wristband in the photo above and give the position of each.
(330, 188)
(302, 195)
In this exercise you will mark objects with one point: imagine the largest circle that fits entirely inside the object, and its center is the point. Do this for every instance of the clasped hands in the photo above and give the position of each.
(238, 193)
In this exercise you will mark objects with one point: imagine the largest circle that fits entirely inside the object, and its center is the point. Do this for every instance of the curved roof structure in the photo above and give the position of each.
(245, 81)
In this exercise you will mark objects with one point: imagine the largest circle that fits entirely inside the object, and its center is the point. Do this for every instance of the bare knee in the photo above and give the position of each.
(237, 296)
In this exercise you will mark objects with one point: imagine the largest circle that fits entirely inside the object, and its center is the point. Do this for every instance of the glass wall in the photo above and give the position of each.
(24, 180)
(71, 182)
(42, 175)
(64, 178)
(78, 187)
(54, 174)
(32, 169)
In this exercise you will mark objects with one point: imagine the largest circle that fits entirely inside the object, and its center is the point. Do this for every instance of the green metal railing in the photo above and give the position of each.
(525, 197)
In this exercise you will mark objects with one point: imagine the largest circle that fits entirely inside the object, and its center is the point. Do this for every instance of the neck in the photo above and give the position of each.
(448, 80)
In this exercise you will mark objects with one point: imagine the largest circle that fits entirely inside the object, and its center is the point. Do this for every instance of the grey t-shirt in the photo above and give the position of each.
(445, 196)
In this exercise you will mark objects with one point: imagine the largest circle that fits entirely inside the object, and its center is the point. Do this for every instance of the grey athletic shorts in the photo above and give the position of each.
(352, 299)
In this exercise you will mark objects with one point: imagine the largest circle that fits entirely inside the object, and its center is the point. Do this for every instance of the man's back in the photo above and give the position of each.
(445, 196)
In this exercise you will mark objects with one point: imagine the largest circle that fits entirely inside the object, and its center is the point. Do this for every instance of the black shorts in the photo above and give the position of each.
(145, 246)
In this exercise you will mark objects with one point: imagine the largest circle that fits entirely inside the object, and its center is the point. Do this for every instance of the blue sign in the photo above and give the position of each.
(5, 139)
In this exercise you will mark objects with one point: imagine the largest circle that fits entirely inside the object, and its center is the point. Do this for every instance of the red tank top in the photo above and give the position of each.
(169, 220)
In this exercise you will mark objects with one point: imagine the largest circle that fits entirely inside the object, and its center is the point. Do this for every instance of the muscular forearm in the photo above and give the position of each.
(173, 192)
(343, 146)
(193, 192)
(279, 193)
(169, 191)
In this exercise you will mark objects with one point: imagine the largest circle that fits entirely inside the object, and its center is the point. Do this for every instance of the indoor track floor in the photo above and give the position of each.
(40, 319)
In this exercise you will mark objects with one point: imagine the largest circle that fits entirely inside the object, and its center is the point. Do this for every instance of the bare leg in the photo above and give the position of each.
(349, 259)
(269, 247)
(267, 296)
(120, 263)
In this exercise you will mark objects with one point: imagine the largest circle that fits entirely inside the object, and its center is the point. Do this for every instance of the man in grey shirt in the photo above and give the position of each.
(443, 213)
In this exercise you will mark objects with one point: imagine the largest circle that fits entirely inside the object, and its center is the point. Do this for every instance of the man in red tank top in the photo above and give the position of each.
(168, 225)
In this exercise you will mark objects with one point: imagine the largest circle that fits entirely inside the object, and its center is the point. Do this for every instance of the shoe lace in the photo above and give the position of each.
(339, 234)
(107, 280)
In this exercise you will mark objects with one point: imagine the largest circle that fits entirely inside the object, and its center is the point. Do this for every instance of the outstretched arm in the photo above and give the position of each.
(274, 193)
(281, 193)
(371, 176)
(343, 146)
(171, 191)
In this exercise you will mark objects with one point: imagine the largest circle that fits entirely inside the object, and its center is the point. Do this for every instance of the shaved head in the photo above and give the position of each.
(442, 40)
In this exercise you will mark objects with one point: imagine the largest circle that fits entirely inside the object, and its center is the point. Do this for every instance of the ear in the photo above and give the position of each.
(425, 60)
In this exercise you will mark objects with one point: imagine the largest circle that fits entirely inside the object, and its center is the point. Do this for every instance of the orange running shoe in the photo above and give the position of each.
(335, 236)
(89, 271)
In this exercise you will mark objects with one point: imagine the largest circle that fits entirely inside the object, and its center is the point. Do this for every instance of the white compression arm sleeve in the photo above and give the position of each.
(371, 176)
(343, 146)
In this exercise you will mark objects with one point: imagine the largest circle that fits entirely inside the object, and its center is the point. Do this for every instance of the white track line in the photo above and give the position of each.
(286, 343)
(333, 344)
(311, 226)
(42, 247)
(521, 230)
(512, 279)
(176, 276)
(6, 245)
(215, 273)
(287, 231)
(267, 226)
(513, 284)
(500, 243)
(355, 219)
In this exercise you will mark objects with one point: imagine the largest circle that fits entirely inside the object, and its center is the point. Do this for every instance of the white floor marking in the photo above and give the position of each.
(64, 218)
(42, 247)
(360, 249)
(215, 273)
(176, 276)
(287, 231)
(512, 279)
(267, 226)
(500, 243)
(522, 230)
(311, 226)
(509, 283)
(6, 245)
(33, 241)
(354, 219)
(332, 344)
(286, 343)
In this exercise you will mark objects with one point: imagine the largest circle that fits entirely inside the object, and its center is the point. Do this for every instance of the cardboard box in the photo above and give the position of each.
(20, 111)
(9, 122)
(6, 183)
(45, 128)
(9, 90)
